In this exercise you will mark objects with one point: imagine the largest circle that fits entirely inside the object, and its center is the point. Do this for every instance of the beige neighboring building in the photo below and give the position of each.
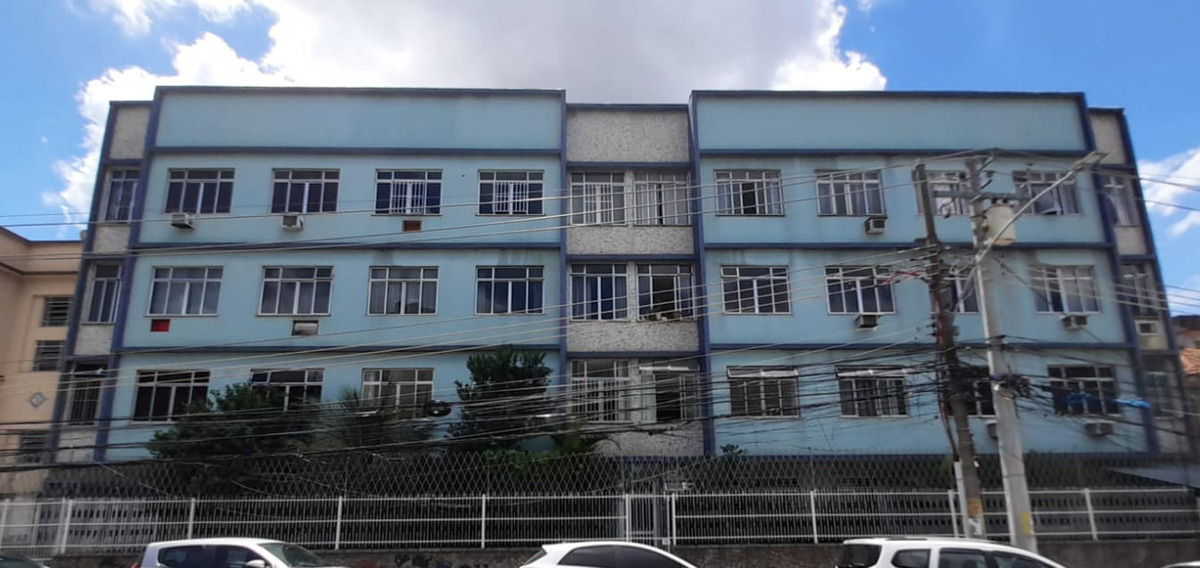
(37, 283)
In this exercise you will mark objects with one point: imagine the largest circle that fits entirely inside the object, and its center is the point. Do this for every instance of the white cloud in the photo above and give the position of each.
(136, 17)
(45, 139)
(1185, 299)
(1174, 174)
(1190, 220)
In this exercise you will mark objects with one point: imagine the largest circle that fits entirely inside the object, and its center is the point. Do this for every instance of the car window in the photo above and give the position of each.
(632, 557)
(182, 557)
(911, 559)
(592, 557)
(227, 556)
(957, 558)
(14, 562)
(859, 555)
(1009, 560)
(295, 556)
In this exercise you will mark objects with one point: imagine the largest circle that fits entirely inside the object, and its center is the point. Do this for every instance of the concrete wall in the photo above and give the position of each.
(1106, 127)
(632, 336)
(129, 134)
(602, 135)
(629, 240)
(1116, 554)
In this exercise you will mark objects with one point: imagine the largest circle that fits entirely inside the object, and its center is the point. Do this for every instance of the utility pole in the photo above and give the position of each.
(1012, 457)
(957, 387)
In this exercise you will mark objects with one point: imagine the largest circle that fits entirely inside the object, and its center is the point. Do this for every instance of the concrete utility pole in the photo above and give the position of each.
(1012, 456)
(953, 382)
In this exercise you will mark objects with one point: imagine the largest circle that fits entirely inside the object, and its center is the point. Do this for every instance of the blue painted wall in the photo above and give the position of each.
(397, 120)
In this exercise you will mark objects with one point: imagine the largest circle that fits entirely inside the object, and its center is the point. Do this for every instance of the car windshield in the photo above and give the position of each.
(295, 556)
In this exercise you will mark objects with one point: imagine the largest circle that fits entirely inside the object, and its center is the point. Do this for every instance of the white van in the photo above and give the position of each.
(919, 552)
(228, 553)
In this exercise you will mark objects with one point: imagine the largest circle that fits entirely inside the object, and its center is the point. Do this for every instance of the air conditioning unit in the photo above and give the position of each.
(304, 327)
(292, 222)
(991, 430)
(1098, 428)
(866, 322)
(183, 221)
(1147, 327)
(1074, 322)
(875, 224)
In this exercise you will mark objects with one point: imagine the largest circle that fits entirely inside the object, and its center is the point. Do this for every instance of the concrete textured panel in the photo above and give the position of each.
(94, 340)
(627, 136)
(75, 445)
(686, 440)
(632, 336)
(1129, 240)
(1107, 131)
(629, 240)
(111, 238)
(129, 133)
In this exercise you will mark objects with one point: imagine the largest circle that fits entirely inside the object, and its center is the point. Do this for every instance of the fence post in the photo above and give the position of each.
(628, 521)
(953, 510)
(337, 527)
(65, 525)
(4, 519)
(191, 529)
(812, 509)
(1087, 499)
(674, 528)
(483, 521)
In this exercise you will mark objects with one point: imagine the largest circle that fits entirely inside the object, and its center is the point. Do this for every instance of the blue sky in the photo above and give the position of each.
(63, 59)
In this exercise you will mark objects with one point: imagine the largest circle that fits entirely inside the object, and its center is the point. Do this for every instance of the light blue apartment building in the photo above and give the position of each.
(741, 270)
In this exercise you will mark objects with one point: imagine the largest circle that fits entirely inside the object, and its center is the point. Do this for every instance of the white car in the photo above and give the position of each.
(603, 554)
(1192, 564)
(919, 552)
(228, 553)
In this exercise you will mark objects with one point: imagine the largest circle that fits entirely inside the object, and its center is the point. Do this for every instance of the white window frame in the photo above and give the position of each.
(172, 278)
(404, 279)
(775, 391)
(598, 201)
(298, 283)
(774, 277)
(409, 195)
(406, 389)
(534, 282)
(83, 396)
(590, 309)
(1062, 200)
(1096, 380)
(733, 186)
(662, 198)
(312, 378)
(944, 180)
(1161, 393)
(1118, 188)
(217, 181)
(961, 282)
(682, 304)
(1067, 282)
(654, 378)
(1138, 291)
(889, 385)
(122, 185)
(46, 353)
(511, 197)
(325, 181)
(33, 446)
(172, 384)
(103, 292)
(859, 281)
(601, 390)
(838, 193)
(56, 311)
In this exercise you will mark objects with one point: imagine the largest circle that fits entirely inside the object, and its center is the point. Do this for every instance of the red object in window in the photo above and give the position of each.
(160, 325)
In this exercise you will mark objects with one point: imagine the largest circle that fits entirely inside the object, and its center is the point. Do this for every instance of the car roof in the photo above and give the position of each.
(933, 540)
(231, 540)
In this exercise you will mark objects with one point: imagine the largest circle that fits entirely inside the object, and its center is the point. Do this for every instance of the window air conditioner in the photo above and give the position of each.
(183, 221)
(875, 224)
(1098, 428)
(293, 222)
(304, 327)
(866, 322)
(1074, 322)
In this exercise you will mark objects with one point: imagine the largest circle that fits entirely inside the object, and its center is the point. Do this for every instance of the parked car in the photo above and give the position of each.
(228, 553)
(1192, 564)
(13, 561)
(602, 554)
(918, 552)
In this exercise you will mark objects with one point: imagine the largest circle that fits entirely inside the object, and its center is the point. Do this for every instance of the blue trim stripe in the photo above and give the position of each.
(788, 152)
(342, 245)
(595, 166)
(824, 245)
(155, 349)
(350, 151)
(1022, 346)
(356, 91)
(699, 247)
(700, 94)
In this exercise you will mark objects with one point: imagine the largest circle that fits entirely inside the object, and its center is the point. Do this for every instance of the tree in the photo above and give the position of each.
(371, 424)
(503, 402)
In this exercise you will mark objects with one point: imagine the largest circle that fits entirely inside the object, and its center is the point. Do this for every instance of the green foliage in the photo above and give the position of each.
(503, 401)
(371, 425)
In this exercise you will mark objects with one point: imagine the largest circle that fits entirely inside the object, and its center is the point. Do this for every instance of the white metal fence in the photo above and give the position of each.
(49, 527)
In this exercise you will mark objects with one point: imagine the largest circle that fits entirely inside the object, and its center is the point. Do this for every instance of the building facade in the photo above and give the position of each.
(735, 272)
(36, 282)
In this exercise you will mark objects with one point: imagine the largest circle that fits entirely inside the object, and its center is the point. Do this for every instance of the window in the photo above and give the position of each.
(599, 292)
(756, 289)
(296, 290)
(106, 285)
(948, 558)
(849, 194)
(401, 192)
(980, 403)
(510, 193)
(1160, 386)
(1083, 390)
(31, 446)
(868, 392)
(592, 557)
(961, 282)
(661, 198)
(185, 291)
(1065, 289)
(641, 558)
(55, 310)
(83, 393)
(859, 290)
(182, 557)
(229, 556)
(406, 389)
(508, 290)
(940, 181)
(298, 386)
(676, 390)
(46, 354)
(305, 191)
(763, 391)
(402, 290)
(600, 390)
(1062, 200)
(165, 395)
(199, 191)
(1119, 191)
(1137, 290)
(664, 292)
(121, 185)
(749, 192)
(598, 198)
(912, 559)
(1010, 560)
